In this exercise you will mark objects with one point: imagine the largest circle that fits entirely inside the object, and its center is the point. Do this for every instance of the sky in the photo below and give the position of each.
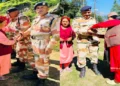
(103, 7)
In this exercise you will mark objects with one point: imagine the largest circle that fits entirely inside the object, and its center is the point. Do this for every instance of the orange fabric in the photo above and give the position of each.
(5, 64)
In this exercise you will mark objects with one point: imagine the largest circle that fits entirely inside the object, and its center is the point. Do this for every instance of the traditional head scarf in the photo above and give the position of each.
(4, 18)
(65, 17)
(113, 15)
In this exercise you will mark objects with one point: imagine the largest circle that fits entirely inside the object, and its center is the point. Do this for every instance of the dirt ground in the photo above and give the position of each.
(53, 80)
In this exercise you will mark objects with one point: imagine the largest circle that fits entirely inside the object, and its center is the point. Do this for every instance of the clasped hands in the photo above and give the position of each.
(93, 31)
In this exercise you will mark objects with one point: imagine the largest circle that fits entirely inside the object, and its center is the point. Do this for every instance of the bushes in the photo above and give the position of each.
(25, 6)
(30, 13)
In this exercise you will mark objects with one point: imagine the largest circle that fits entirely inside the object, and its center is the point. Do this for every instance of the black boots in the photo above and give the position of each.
(95, 69)
(41, 82)
(20, 67)
(82, 72)
(32, 76)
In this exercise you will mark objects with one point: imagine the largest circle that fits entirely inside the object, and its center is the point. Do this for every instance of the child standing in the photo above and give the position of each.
(66, 49)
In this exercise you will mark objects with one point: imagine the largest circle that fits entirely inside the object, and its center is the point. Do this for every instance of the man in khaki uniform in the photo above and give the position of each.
(13, 14)
(44, 33)
(86, 43)
(23, 46)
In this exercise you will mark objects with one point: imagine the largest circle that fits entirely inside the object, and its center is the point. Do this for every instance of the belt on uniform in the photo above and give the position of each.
(84, 37)
(33, 37)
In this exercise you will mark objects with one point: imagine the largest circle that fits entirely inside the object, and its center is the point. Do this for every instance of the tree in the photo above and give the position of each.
(99, 18)
(62, 7)
(116, 7)
(70, 7)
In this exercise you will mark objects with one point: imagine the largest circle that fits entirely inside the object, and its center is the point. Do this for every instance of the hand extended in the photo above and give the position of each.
(100, 36)
(92, 31)
(18, 37)
(48, 51)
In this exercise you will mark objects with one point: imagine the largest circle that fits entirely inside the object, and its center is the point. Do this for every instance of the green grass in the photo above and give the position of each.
(72, 78)
(67, 78)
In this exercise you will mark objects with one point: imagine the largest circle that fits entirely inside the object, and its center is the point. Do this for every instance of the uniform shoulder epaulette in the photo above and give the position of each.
(36, 19)
(53, 15)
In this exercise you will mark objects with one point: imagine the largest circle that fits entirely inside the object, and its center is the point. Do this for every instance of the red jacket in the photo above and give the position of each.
(112, 35)
(106, 24)
(65, 34)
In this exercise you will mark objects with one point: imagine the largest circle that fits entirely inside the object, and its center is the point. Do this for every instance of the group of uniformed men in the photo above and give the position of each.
(38, 35)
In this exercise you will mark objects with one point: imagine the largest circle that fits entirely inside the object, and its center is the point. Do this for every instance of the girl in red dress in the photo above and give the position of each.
(66, 49)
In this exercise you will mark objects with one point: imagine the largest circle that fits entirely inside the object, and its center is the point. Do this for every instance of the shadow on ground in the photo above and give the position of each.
(103, 67)
(15, 78)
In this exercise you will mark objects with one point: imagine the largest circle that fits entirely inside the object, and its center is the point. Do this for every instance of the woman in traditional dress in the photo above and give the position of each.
(112, 42)
(66, 37)
(5, 49)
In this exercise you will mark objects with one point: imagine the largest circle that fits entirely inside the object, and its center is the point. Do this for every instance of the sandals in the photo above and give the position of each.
(2, 78)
